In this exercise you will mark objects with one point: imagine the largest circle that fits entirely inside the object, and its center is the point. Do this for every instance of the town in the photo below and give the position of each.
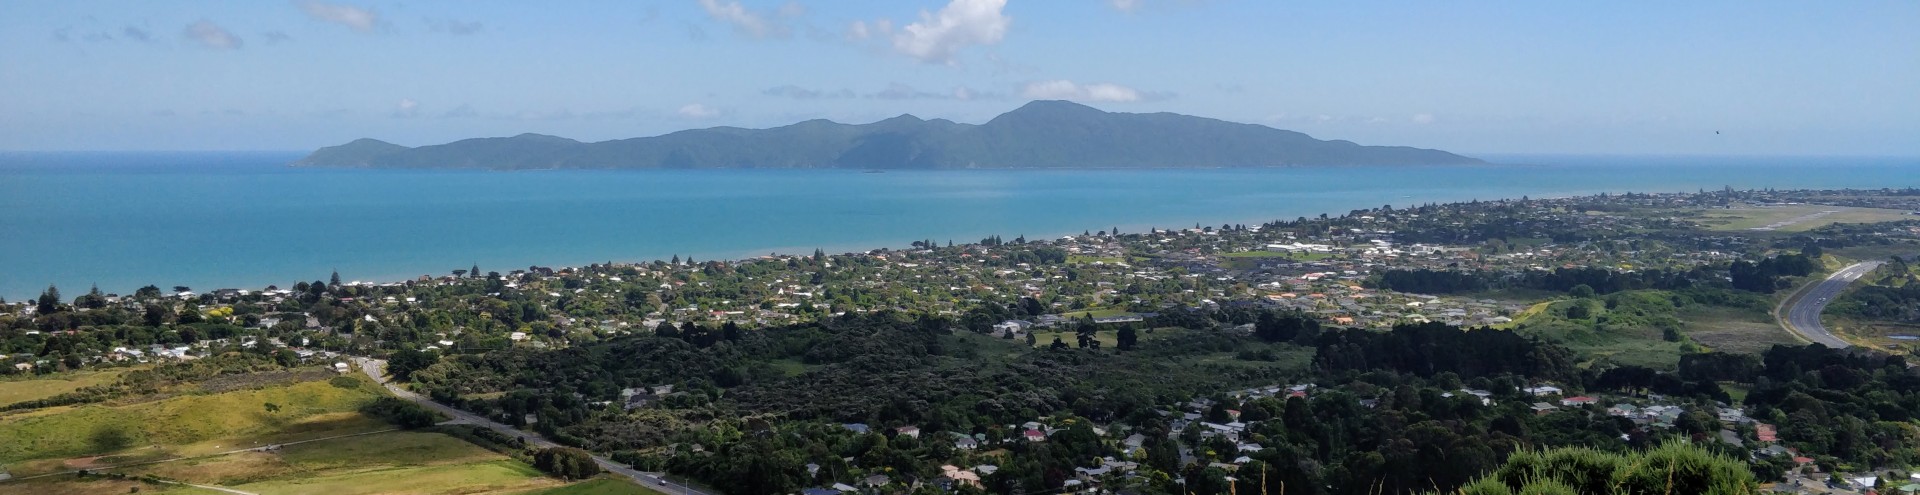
(1625, 283)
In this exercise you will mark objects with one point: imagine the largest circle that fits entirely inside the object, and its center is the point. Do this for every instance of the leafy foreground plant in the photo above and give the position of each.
(1674, 468)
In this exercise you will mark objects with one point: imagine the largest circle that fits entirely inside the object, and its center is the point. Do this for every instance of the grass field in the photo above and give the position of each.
(597, 486)
(400, 462)
(184, 425)
(68, 486)
(1733, 329)
(1791, 218)
(1095, 312)
(36, 388)
(1109, 339)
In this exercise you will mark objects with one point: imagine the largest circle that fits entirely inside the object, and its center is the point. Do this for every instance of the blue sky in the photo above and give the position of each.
(1772, 77)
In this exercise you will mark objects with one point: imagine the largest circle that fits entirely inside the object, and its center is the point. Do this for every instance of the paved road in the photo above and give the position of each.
(656, 481)
(1800, 313)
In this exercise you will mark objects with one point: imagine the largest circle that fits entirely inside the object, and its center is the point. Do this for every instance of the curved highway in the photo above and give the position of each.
(1800, 313)
(655, 481)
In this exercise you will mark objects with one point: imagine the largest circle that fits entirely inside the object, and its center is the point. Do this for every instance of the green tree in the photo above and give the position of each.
(566, 463)
(49, 302)
(1127, 338)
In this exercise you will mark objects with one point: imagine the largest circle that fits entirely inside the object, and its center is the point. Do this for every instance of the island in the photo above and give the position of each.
(1040, 134)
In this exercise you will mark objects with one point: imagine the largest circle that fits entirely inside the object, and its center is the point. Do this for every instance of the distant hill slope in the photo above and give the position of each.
(1040, 134)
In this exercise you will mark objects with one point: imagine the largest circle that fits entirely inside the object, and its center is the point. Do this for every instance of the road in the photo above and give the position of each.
(656, 481)
(1800, 313)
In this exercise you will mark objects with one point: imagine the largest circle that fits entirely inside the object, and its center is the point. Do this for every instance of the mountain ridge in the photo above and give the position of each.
(1039, 134)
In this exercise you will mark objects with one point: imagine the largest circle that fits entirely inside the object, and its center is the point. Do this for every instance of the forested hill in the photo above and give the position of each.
(1040, 134)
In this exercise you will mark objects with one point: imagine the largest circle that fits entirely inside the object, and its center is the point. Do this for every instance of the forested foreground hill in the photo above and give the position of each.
(847, 399)
(1041, 134)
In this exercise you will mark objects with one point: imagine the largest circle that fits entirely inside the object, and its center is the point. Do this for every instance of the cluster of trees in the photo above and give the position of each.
(1599, 280)
(566, 463)
(757, 423)
(1767, 275)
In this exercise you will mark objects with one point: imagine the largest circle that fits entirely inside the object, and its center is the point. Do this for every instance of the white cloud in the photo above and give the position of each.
(406, 108)
(749, 22)
(697, 111)
(211, 35)
(1124, 5)
(359, 18)
(1061, 89)
(1422, 118)
(961, 23)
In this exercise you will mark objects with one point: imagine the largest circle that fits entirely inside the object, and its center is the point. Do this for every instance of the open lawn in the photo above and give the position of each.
(1109, 338)
(399, 450)
(1733, 329)
(499, 476)
(96, 486)
(598, 486)
(190, 424)
(14, 391)
(1791, 218)
(1095, 312)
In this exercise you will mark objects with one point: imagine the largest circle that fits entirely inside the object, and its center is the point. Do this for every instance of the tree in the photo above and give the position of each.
(49, 302)
(404, 362)
(335, 280)
(566, 463)
(271, 407)
(1581, 291)
(1127, 337)
(475, 271)
(1579, 311)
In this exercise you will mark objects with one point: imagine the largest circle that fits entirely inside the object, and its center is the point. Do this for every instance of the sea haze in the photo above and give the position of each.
(211, 220)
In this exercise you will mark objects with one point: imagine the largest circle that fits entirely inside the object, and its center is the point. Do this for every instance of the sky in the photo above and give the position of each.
(1631, 77)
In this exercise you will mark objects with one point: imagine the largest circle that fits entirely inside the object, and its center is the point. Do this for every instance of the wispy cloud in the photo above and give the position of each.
(455, 27)
(358, 18)
(962, 23)
(696, 111)
(211, 35)
(898, 91)
(275, 37)
(1421, 118)
(750, 22)
(1061, 89)
(799, 93)
(136, 34)
(1125, 5)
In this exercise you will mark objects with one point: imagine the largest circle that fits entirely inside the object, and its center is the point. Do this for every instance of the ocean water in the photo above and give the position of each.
(212, 220)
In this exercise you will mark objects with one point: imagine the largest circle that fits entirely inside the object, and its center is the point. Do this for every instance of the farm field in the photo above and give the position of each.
(13, 391)
(78, 437)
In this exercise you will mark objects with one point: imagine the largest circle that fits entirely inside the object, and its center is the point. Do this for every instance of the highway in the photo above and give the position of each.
(1800, 313)
(655, 481)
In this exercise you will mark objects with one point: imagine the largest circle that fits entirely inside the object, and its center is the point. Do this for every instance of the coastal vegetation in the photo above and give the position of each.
(1385, 350)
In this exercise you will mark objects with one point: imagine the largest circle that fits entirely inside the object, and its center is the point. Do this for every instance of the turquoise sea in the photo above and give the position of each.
(212, 220)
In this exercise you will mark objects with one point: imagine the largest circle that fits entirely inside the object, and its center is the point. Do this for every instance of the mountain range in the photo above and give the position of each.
(1040, 134)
